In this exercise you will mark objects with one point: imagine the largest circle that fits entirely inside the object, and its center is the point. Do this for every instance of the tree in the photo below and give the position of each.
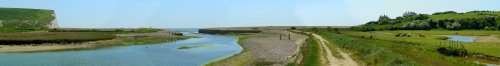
(409, 14)
(410, 26)
(477, 11)
(423, 26)
(421, 17)
(329, 28)
(455, 26)
(432, 24)
(490, 21)
(399, 18)
(293, 28)
(446, 12)
(1, 24)
(383, 17)
(490, 28)
(498, 23)
(372, 22)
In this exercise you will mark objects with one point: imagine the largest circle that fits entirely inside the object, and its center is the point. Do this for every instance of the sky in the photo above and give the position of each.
(234, 13)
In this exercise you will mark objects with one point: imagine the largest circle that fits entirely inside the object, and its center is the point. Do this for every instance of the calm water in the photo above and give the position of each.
(164, 54)
(461, 38)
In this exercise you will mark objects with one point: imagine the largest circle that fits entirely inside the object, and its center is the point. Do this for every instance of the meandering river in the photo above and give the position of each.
(164, 54)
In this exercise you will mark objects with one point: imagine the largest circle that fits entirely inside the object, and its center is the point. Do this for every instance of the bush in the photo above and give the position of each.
(148, 30)
(293, 28)
(446, 12)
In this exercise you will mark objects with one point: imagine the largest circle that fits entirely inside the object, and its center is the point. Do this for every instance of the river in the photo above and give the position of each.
(163, 54)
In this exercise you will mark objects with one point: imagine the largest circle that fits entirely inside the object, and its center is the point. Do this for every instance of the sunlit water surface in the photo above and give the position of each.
(461, 38)
(163, 54)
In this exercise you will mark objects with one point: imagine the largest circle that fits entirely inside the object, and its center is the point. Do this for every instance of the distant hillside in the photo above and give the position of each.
(26, 19)
(451, 20)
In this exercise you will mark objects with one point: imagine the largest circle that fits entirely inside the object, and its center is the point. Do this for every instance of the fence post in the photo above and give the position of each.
(280, 36)
(289, 38)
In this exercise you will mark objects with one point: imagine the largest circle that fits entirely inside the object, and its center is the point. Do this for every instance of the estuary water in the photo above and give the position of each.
(163, 54)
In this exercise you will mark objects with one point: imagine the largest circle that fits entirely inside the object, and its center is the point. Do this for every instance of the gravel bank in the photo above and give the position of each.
(265, 49)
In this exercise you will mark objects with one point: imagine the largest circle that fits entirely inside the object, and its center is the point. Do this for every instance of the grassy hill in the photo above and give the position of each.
(450, 20)
(25, 19)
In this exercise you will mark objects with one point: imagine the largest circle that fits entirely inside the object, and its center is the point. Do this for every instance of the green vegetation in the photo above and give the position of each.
(488, 20)
(311, 52)
(367, 53)
(138, 41)
(192, 46)
(24, 19)
(74, 36)
(447, 32)
(138, 30)
(429, 36)
(488, 48)
(384, 49)
(53, 37)
(120, 42)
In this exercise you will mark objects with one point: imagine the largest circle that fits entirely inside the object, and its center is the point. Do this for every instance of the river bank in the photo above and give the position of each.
(121, 40)
(211, 47)
(265, 48)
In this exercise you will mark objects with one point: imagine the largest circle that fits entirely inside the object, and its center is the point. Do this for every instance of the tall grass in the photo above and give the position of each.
(311, 52)
(368, 54)
(138, 30)
(422, 50)
(53, 37)
(434, 37)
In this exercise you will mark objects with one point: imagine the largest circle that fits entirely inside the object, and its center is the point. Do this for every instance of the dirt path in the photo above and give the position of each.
(492, 38)
(332, 61)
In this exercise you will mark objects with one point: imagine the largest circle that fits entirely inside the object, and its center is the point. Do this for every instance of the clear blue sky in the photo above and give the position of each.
(229, 13)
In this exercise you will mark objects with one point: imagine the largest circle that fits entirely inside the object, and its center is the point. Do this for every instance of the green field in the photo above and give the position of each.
(53, 37)
(431, 39)
(66, 36)
(464, 16)
(23, 18)
(448, 32)
(384, 49)
(312, 53)
(56, 36)
(427, 43)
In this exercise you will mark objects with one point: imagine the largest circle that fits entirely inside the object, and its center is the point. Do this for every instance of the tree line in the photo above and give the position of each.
(484, 20)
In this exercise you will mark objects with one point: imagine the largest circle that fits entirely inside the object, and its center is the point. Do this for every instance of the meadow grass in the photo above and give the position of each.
(15, 36)
(366, 54)
(138, 41)
(384, 52)
(8, 30)
(432, 39)
(311, 52)
(53, 37)
(461, 16)
(448, 32)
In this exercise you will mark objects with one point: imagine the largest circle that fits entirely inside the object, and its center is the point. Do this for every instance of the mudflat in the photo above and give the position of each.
(27, 48)
(124, 39)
